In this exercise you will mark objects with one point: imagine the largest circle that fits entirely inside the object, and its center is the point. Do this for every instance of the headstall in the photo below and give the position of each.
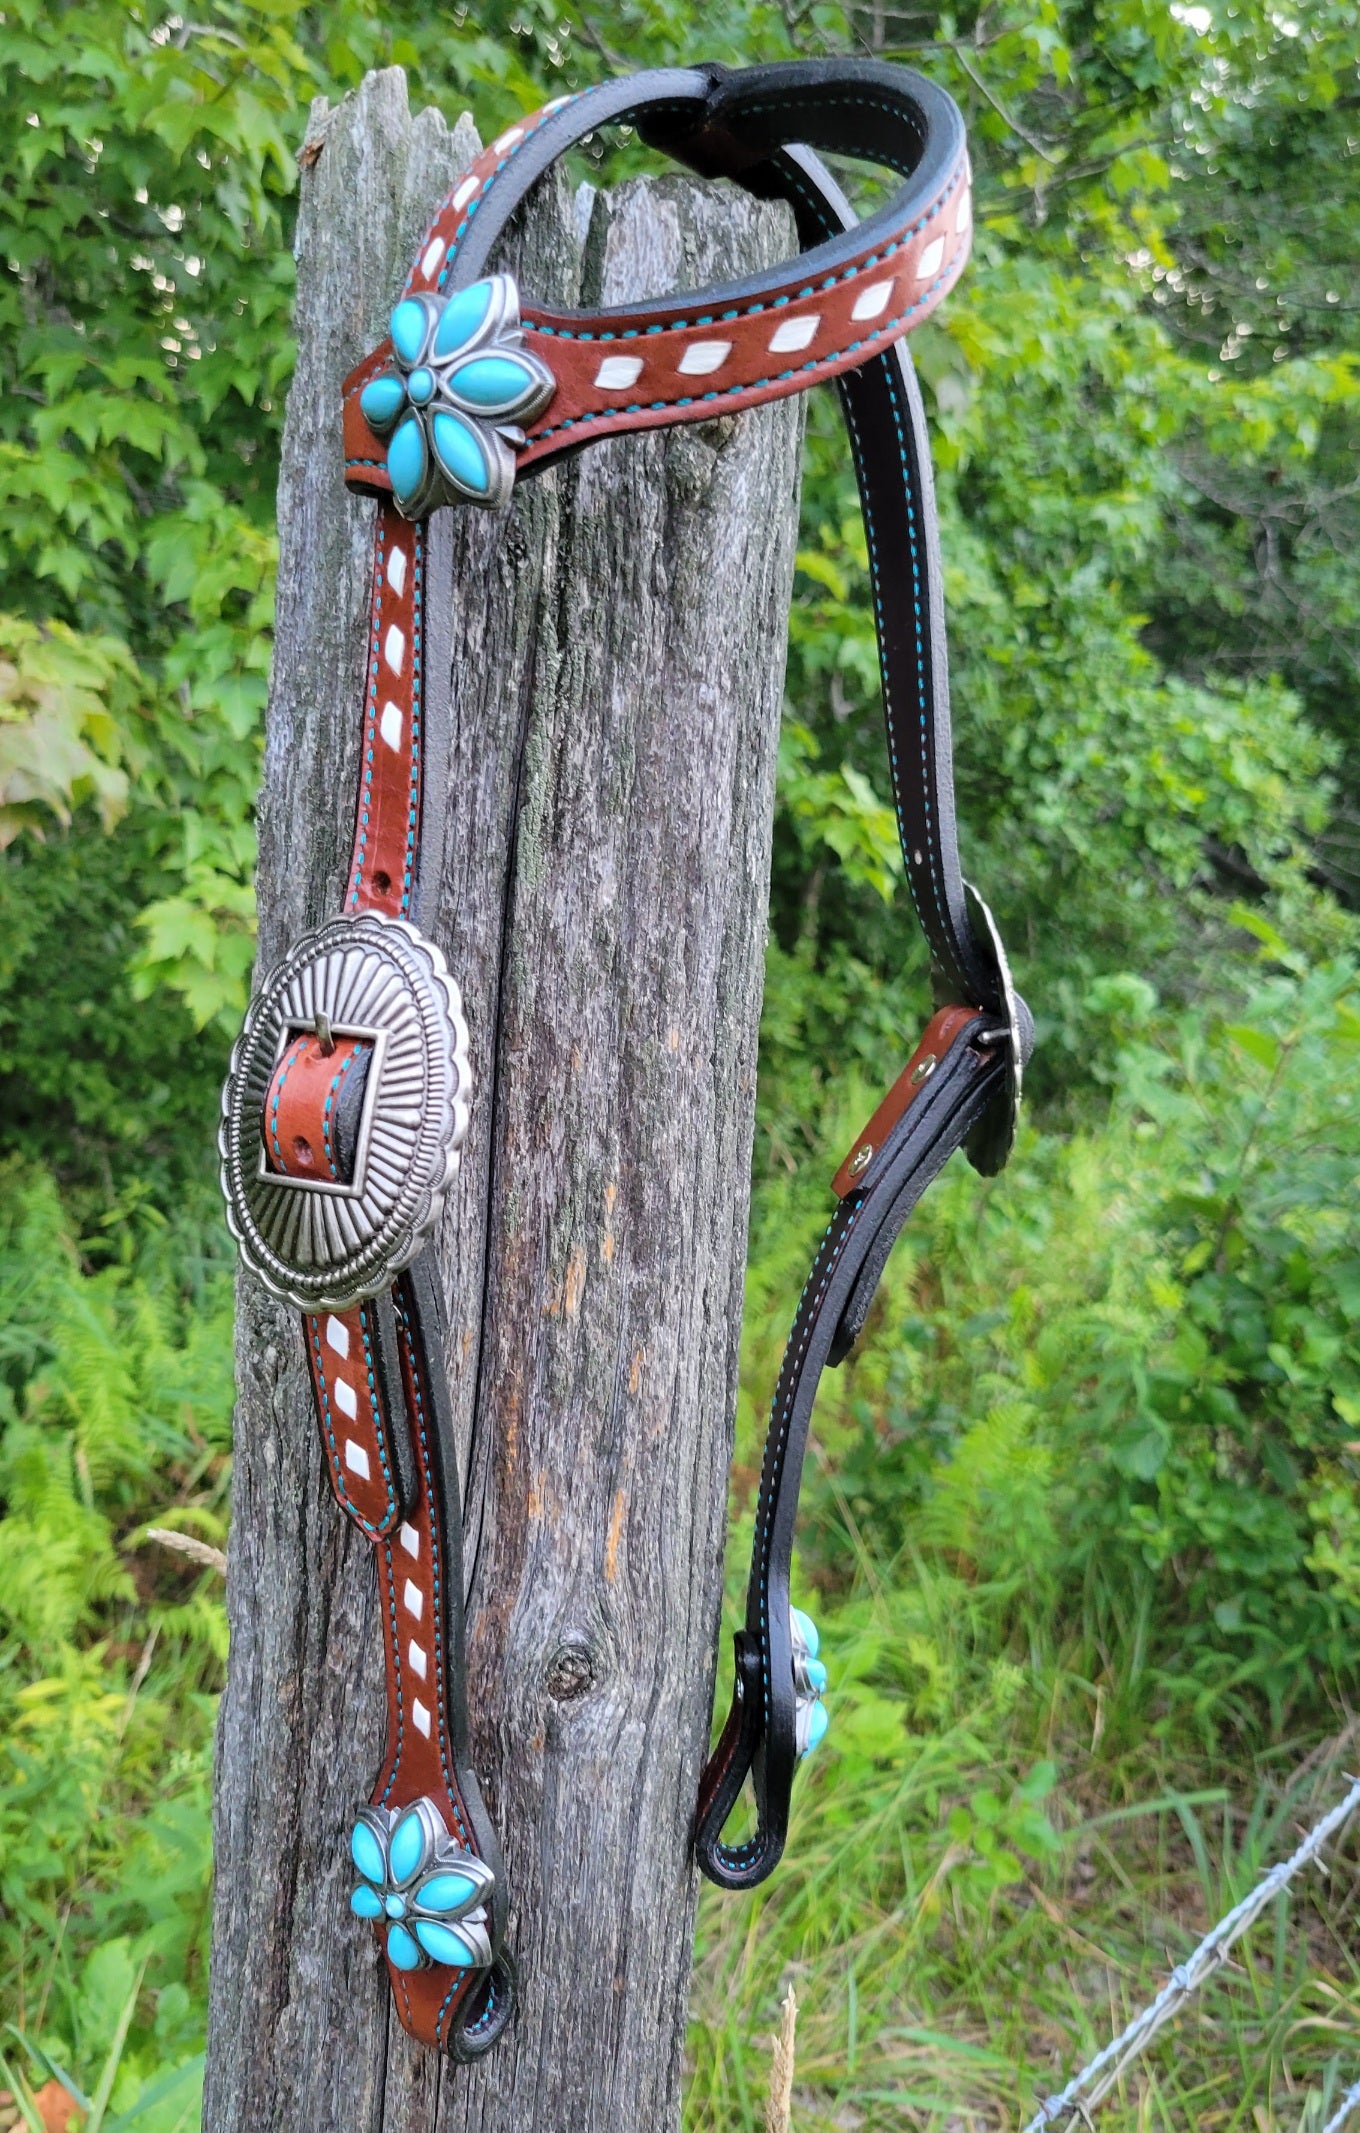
(348, 1094)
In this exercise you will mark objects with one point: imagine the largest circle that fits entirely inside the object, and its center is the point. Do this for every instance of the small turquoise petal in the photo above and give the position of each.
(396, 1907)
(444, 1945)
(366, 1852)
(406, 1849)
(366, 1902)
(816, 1674)
(382, 401)
(817, 1725)
(459, 452)
(408, 330)
(494, 385)
(406, 459)
(401, 1949)
(446, 1892)
(809, 1629)
(420, 385)
(463, 314)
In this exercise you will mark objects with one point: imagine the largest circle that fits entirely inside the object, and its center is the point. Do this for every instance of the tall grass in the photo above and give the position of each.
(1080, 1530)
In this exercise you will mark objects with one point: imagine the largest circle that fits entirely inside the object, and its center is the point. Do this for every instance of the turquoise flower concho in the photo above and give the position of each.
(430, 1894)
(809, 1680)
(453, 406)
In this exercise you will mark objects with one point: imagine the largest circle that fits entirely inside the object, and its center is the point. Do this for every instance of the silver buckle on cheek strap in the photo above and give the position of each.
(990, 1143)
(326, 1245)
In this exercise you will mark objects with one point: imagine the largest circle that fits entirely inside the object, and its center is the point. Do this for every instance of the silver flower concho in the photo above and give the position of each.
(428, 1894)
(453, 406)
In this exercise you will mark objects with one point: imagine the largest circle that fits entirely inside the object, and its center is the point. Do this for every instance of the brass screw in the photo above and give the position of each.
(861, 1159)
(923, 1070)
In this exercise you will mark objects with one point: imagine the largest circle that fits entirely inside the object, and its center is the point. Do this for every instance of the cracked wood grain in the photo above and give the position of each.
(614, 651)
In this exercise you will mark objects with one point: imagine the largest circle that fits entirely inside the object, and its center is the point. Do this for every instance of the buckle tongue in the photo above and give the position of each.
(325, 1216)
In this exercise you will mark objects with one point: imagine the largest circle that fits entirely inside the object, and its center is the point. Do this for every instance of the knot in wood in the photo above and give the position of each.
(570, 1672)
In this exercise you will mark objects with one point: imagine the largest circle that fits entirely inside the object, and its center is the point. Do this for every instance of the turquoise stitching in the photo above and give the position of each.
(733, 1855)
(371, 712)
(290, 1061)
(449, 1781)
(768, 303)
(732, 392)
(376, 1532)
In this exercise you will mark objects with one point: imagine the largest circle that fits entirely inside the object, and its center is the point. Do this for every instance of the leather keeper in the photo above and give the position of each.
(942, 1032)
(314, 1106)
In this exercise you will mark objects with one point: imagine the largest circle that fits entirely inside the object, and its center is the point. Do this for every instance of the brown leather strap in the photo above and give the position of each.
(648, 366)
(387, 819)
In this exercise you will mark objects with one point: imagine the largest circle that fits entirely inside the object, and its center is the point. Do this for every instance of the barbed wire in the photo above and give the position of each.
(1349, 2103)
(1095, 2081)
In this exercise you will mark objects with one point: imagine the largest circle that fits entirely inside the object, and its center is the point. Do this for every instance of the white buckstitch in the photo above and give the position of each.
(703, 358)
(794, 333)
(871, 302)
(617, 372)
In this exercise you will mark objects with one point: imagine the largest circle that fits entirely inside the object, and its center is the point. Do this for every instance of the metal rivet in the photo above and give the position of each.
(923, 1069)
(861, 1159)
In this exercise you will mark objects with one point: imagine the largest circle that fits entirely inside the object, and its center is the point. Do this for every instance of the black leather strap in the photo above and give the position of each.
(886, 423)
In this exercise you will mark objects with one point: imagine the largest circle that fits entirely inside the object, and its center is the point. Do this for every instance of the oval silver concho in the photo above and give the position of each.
(325, 1246)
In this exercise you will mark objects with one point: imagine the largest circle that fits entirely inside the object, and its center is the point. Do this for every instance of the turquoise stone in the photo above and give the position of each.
(463, 314)
(816, 1674)
(406, 459)
(446, 1892)
(459, 451)
(817, 1725)
(493, 384)
(420, 385)
(443, 1944)
(401, 1949)
(366, 1902)
(809, 1629)
(366, 1852)
(382, 401)
(406, 1848)
(396, 1907)
(408, 330)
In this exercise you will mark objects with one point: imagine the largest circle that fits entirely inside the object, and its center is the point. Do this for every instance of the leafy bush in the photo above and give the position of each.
(115, 1410)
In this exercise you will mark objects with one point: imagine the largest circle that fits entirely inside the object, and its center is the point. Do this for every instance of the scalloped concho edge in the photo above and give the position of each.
(432, 1007)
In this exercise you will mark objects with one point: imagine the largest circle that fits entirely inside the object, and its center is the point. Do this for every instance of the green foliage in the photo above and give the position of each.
(1082, 1511)
(114, 1415)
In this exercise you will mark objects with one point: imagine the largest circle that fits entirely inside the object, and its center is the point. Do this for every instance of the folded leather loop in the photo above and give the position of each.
(759, 1739)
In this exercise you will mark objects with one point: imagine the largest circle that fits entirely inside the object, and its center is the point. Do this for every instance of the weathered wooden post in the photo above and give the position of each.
(614, 647)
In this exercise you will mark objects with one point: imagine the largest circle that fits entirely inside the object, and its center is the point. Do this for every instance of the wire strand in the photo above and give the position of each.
(1348, 2103)
(1095, 2080)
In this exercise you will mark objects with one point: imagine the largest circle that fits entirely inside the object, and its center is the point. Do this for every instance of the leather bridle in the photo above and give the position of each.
(348, 1093)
